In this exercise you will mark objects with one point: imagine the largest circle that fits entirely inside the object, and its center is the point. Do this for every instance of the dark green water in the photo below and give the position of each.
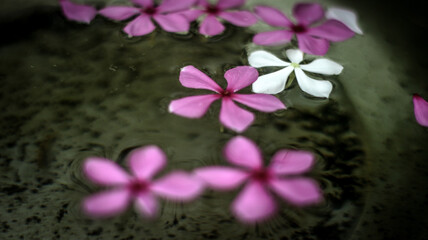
(70, 91)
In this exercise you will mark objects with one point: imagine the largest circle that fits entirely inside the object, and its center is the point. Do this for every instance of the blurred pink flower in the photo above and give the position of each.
(77, 12)
(311, 39)
(231, 115)
(254, 203)
(420, 107)
(166, 15)
(144, 163)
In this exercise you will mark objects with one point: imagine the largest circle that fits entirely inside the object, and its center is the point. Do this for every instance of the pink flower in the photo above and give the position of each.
(211, 26)
(231, 115)
(144, 163)
(311, 39)
(421, 110)
(254, 203)
(166, 15)
(77, 12)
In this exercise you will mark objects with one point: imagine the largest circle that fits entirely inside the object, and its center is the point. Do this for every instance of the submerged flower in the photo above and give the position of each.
(347, 17)
(144, 163)
(273, 83)
(254, 203)
(224, 9)
(166, 15)
(420, 107)
(311, 39)
(77, 12)
(231, 115)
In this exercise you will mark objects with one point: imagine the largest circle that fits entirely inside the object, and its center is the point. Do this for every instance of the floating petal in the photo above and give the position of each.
(307, 13)
(421, 110)
(347, 17)
(174, 5)
(192, 107)
(331, 30)
(146, 204)
(104, 172)
(323, 66)
(173, 22)
(295, 55)
(272, 83)
(234, 117)
(312, 45)
(261, 102)
(77, 12)
(106, 204)
(225, 4)
(146, 161)
(178, 186)
(273, 16)
(243, 152)
(291, 162)
(221, 178)
(265, 59)
(240, 77)
(272, 38)
(317, 88)
(140, 26)
(298, 191)
(191, 77)
(119, 13)
(239, 18)
(210, 26)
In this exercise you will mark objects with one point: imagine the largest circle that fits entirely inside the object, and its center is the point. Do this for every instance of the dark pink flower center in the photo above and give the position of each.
(138, 186)
(299, 28)
(226, 93)
(150, 11)
(261, 175)
(212, 9)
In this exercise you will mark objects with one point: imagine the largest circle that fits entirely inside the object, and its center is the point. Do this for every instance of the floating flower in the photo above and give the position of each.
(224, 9)
(311, 39)
(347, 17)
(420, 107)
(273, 83)
(254, 203)
(77, 12)
(144, 163)
(231, 115)
(166, 15)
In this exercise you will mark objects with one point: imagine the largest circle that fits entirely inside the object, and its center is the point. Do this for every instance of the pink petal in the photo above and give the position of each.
(143, 3)
(331, 30)
(240, 77)
(307, 13)
(192, 107)
(210, 26)
(175, 5)
(192, 14)
(221, 178)
(276, 37)
(104, 172)
(77, 12)
(225, 4)
(291, 162)
(273, 16)
(191, 77)
(146, 204)
(239, 18)
(173, 22)
(118, 13)
(178, 186)
(312, 45)
(298, 191)
(106, 204)
(234, 117)
(243, 152)
(261, 102)
(421, 110)
(146, 161)
(140, 26)
(253, 204)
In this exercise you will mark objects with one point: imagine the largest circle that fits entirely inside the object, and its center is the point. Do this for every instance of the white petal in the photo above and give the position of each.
(295, 55)
(347, 17)
(323, 66)
(264, 59)
(317, 88)
(272, 83)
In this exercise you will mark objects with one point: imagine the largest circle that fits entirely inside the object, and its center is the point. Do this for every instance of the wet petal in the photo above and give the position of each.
(104, 172)
(243, 152)
(210, 26)
(253, 204)
(178, 186)
(298, 191)
(191, 77)
(221, 178)
(106, 204)
(77, 12)
(312, 45)
(173, 22)
(420, 107)
(271, 38)
(118, 13)
(295, 55)
(146, 204)
(192, 107)
(140, 26)
(143, 3)
(240, 77)
(307, 13)
(146, 161)
(174, 5)
(239, 18)
(272, 83)
(323, 66)
(191, 14)
(272, 16)
(317, 88)
(261, 102)
(234, 117)
(347, 17)
(291, 162)
(265, 59)
(331, 30)
(224, 4)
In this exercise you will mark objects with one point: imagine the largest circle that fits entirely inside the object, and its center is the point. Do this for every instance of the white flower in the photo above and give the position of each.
(347, 17)
(273, 83)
